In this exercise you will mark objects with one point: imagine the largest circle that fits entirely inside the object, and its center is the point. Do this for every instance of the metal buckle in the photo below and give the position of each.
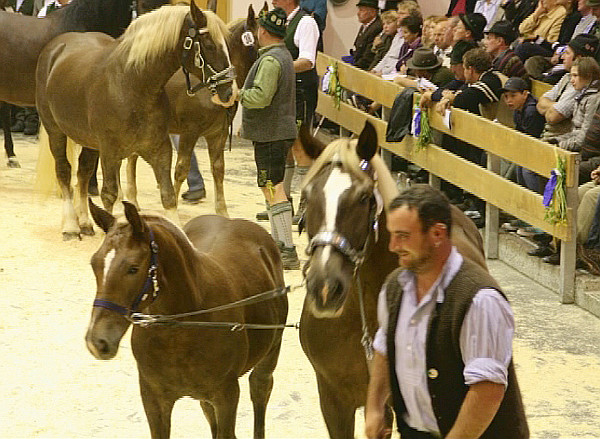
(187, 43)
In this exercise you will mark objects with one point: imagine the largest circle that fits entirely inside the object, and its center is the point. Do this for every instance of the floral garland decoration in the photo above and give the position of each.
(334, 89)
(555, 198)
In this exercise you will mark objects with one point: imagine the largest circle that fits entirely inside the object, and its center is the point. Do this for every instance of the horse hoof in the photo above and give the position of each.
(69, 236)
(13, 162)
(87, 231)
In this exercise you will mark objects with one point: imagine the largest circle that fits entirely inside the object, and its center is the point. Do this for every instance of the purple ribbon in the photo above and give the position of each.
(550, 186)
(416, 123)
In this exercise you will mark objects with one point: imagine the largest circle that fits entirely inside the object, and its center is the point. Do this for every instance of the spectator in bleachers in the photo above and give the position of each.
(388, 63)
(411, 28)
(428, 70)
(542, 55)
(590, 150)
(516, 11)
(469, 28)
(491, 10)
(442, 48)
(557, 104)
(517, 96)
(585, 77)
(497, 43)
(428, 37)
(460, 7)
(544, 23)
(383, 41)
(368, 16)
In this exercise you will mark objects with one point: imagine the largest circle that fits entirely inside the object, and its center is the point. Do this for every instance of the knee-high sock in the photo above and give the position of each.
(287, 178)
(281, 214)
(274, 233)
(301, 172)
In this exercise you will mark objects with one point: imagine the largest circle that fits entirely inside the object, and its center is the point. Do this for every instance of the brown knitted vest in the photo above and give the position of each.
(444, 361)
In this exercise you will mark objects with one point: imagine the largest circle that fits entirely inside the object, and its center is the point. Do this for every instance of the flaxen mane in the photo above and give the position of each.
(342, 151)
(158, 31)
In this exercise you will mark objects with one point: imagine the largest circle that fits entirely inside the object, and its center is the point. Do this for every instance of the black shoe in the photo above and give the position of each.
(262, 216)
(194, 196)
(541, 251)
(542, 238)
(30, 130)
(18, 127)
(553, 259)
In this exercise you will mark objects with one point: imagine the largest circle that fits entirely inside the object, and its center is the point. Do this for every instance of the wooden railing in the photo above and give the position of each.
(496, 139)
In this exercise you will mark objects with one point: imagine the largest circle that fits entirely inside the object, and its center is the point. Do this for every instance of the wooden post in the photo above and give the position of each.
(568, 256)
(492, 214)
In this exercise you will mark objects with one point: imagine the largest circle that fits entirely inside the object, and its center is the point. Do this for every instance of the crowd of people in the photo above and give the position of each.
(486, 51)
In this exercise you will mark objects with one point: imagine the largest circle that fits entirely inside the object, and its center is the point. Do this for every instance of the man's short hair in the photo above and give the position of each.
(431, 204)
(478, 59)
(413, 23)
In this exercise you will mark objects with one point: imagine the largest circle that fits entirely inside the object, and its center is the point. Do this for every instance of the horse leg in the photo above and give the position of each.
(158, 406)
(261, 385)
(209, 412)
(110, 183)
(225, 404)
(338, 414)
(8, 141)
(185, 149)
(58, 147)
(87, 166)
(216, 145)
(131, 187)
(161, 165)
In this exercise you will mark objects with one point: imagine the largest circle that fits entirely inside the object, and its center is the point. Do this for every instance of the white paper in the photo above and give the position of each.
(447, 119)
(392, 76)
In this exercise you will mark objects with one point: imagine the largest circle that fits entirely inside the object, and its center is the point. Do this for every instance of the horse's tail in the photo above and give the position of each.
(46, 183)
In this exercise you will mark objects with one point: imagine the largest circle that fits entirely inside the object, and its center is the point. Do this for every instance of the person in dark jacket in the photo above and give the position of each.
(368, 16)
(497, 43)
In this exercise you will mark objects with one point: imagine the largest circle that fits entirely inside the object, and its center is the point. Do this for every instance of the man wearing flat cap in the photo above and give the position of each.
(370, 27)
(497, 43)
(269, 121)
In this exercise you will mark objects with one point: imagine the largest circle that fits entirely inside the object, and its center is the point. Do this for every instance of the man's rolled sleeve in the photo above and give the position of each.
(380, 340)
(307, 39)
(486, 338)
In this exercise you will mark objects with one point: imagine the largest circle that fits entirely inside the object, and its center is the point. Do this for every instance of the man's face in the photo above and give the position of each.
(493, 43)
(515, 99)
(439, 35)
(460, 32)
(583, 7)
(286, 5)
(415, 248)
(459, 72)
(365, 14)
(470, 74)
(568, 57)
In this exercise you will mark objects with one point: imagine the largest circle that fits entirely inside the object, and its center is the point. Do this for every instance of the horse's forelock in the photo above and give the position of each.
(340, 150)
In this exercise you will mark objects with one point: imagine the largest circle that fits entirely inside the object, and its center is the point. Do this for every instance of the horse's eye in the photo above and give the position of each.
(132, 270)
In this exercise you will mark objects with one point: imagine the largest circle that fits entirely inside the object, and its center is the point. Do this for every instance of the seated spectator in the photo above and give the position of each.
(388, 63)
(428, 70)
(516, 11)
(491, 10)
(371, 26)
(427, 38)
(544, 23)
(469, 28)
(585, 78)
(547, 66)
(383, 41)
(441, 47)
(590, 150)
(497, 43)
(517, 95)
(557, 104)
(411, 28)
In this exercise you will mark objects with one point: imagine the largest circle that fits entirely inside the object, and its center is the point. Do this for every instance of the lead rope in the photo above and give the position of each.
(365, 340)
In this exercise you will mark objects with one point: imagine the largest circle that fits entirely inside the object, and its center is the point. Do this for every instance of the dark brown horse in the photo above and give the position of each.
(109, 96)
(195, 116)
(345, 191)
(23, 38)
(148, 264)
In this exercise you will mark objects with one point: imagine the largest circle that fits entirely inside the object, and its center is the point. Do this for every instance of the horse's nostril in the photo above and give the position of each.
(102, 346)
(336, 289)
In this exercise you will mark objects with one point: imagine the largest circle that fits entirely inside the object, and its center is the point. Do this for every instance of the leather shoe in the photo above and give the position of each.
(541, 251)
(18, 127)
(262, 216)
(542, 239)
(553, 259)
(194, 196)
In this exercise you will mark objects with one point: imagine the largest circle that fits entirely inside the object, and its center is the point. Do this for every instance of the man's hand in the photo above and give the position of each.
(596, 175)
(426, 101)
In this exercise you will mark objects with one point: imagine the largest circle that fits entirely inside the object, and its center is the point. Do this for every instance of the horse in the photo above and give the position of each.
(195, 116)
(345, 191)
(23, 38)
(206, 268)
(109, 95)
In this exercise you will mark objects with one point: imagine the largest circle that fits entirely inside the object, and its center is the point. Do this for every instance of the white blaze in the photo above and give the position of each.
(107, 262)
(337, 183)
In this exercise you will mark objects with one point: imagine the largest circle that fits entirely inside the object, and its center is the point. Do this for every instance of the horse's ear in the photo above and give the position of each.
(101, 217)
(367, 142)
(211, 5)
(133, 216)
(265, 7)
(197, 15)
(311, 145)
(251, 19)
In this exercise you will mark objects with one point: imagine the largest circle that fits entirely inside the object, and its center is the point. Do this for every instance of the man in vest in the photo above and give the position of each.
(444, 344)
(269, 120)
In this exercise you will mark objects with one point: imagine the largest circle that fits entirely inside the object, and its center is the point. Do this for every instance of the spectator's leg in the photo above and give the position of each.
(537, 65)
(527, 50)
(588, 197)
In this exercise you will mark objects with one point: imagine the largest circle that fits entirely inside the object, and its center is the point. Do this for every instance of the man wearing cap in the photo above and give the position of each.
(516, 93)
(497, 43)
(558, 103)
(470, 27)
(425, 65)
(370, 27)
(269, 120)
